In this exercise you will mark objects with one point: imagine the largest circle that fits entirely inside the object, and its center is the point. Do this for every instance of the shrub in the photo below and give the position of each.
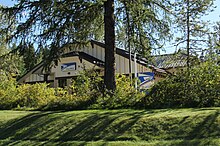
(87, 91)
(65, 101)
(34, 96)
(199, 88)
(125, 96)
(89, 84)
(81, 94)
(7, 91)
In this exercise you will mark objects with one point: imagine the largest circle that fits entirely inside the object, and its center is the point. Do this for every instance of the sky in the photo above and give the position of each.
(7, 2)
(213, 17)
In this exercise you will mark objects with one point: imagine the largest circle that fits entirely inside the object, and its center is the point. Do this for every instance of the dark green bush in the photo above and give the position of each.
(125, 96)
(87, 91)
(81, 94)
(198, 88)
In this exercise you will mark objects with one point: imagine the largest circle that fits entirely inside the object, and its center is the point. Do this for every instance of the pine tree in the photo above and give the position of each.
(193, 30)
(213, 50)
(10, 62)
(109, 22)
(60, 22)
(27, 51)
(147, 25)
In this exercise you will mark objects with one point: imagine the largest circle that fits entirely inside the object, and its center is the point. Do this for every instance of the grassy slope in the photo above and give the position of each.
(116, 127)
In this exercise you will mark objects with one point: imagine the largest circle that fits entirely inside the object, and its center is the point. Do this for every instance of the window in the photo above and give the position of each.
(62, 83)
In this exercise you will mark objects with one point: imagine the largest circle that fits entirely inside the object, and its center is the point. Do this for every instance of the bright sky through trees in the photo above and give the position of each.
(213, 17)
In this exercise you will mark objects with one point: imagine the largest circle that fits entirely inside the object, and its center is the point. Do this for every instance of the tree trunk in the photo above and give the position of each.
(188, 38)
(109, 21)
(187, 86)
(128, 32)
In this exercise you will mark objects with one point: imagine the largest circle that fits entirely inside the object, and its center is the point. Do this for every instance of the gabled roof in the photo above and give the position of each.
(167, 61)
(140, 60)
(100, 63)
(85, 56)
(35, 68)
(123, 53)
(82, 55)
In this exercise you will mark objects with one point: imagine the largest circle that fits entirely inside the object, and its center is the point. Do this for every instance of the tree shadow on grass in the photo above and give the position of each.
(46, 128)
(24, 127)
(52, 127)
(204, 132)
(206, 128)
(101, 127)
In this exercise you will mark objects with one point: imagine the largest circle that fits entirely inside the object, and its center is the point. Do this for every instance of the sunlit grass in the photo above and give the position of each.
(111, 127)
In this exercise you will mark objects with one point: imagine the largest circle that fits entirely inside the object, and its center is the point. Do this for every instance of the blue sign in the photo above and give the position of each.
(66, 67)
(146, 79)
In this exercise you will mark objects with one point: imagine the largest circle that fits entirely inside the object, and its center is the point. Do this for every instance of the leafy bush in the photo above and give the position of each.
(87, 91)
(88, 84)
(34, 96)
(198, 88)
(17, 96)
(81, 94)
(125, 96)
(7, 90)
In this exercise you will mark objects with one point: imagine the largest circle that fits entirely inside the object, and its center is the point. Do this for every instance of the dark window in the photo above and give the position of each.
(62, 83)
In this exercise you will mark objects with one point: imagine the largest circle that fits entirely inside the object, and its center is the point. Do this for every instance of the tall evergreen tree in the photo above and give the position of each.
(3, 44)
(59, 22)
(27, 51)
(10, 62)
(217, 37)
(193, 30)
(213, 50)
(146, 25)
(109, 22)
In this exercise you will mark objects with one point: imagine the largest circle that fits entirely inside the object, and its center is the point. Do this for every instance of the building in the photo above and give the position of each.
(170, 62)
(76, 59)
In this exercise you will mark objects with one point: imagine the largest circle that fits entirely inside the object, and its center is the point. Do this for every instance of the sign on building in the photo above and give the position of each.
(146, 79)
(67, 67)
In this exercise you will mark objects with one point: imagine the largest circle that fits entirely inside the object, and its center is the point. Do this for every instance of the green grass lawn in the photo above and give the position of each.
(112, 127)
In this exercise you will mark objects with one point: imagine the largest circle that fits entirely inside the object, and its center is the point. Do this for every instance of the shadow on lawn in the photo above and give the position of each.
(207, 129)
(49, 126)
(53, 127)
(102, 127)
(23, 127)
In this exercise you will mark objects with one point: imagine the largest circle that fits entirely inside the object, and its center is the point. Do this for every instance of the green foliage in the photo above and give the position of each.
(9, 61)
(200, 89)
(193, 31)
(81, 94)
(66, 22)
(86, 91)
(27, 51)
(7, 90)
(125, 95)
(34, 96)
(88, 83)
(23, 96)
(139, 19)
(61, 22)
(213, 50)
(12, 64)
(13, 95)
